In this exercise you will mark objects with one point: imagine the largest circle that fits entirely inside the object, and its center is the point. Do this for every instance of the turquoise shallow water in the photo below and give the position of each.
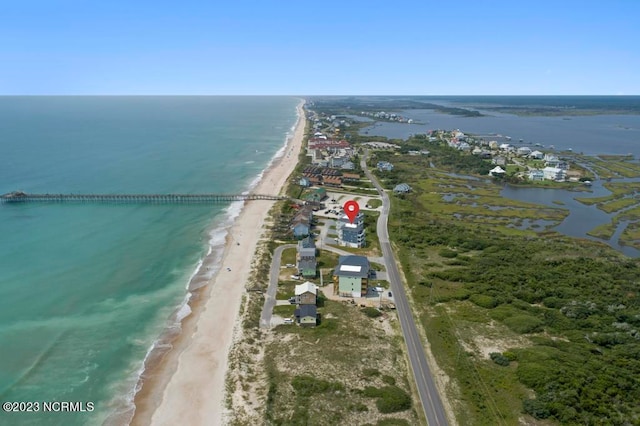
(85, 289)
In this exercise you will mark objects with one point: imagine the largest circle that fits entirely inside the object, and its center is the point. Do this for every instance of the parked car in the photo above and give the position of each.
(288, 321)
(390, 295)
(295, 277)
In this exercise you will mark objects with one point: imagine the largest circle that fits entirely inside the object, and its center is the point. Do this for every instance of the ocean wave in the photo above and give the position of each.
(218, 234)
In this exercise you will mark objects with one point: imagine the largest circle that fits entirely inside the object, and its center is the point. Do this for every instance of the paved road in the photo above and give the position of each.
(431, 403)
(270, 298)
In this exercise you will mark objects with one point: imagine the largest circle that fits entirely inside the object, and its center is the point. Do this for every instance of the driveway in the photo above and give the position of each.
(270, 296)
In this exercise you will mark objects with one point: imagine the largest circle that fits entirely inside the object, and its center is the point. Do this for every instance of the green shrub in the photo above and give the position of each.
(371, 312)
(484, 301)
(372, 392)
(499, 359)
(370, 372)
(393, 399)
(537, 409)
(392, 422)
(511, 356)
(390, 380)
(308, 386)
(523, 323)
(449, 254)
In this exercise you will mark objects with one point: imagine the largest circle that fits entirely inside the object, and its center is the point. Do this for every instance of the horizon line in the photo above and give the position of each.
(296, 95)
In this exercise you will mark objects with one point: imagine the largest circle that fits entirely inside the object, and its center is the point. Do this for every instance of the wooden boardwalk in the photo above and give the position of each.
(22, 197)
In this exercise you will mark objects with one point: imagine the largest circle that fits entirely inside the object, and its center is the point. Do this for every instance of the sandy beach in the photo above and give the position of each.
(187, 385)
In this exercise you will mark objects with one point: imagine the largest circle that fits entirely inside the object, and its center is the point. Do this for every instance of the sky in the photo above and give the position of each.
(347, 47)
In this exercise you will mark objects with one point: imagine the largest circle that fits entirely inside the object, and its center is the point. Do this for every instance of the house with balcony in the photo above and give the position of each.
(536, 175)
(351, 276)
(351, 234)
(553, 173)
(306, 258)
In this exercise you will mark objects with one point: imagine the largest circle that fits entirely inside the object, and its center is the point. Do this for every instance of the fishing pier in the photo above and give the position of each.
(23, 197)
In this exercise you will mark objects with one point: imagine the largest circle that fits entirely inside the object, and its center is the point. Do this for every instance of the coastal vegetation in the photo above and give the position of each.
(351, 368)
(563, 312)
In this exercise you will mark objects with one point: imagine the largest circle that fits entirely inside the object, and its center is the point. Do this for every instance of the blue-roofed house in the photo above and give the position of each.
(384, 166)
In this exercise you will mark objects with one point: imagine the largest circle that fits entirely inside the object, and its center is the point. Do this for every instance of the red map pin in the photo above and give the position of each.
(351, 209)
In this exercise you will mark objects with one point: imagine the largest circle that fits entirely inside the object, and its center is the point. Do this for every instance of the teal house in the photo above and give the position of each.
(351, 276)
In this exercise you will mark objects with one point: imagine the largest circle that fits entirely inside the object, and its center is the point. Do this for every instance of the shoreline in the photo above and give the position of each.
(185, 382)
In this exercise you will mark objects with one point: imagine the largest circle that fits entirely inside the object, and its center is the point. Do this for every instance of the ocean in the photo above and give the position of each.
(86, 289)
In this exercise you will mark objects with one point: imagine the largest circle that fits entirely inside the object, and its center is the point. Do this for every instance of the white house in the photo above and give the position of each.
(553, 173)
(536, 175)
(536, 155)
(496, 171)
(523, 150)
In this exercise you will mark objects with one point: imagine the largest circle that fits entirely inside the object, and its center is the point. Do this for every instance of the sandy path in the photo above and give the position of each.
(188, 386)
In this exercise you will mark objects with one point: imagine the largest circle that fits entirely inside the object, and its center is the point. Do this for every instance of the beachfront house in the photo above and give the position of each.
(307, 315)
(402, 188)
(351, 276)
(306, 258)
(351, 234)
(300, 228)
(317, 195)
(306, 293)
(304, 182)
(553, 173)
(301, 222)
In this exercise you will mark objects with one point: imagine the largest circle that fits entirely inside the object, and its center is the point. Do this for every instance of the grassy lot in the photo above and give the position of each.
(288, 257)
(331, 374)
(375, 203)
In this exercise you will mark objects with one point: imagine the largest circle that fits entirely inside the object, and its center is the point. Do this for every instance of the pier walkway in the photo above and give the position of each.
(22, 197)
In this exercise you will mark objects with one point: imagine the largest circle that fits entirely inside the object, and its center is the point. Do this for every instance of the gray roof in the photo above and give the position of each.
(348, 266)
(306, 311)
(307, 252)
(306, 243)
(305, 264)
(403, 187)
